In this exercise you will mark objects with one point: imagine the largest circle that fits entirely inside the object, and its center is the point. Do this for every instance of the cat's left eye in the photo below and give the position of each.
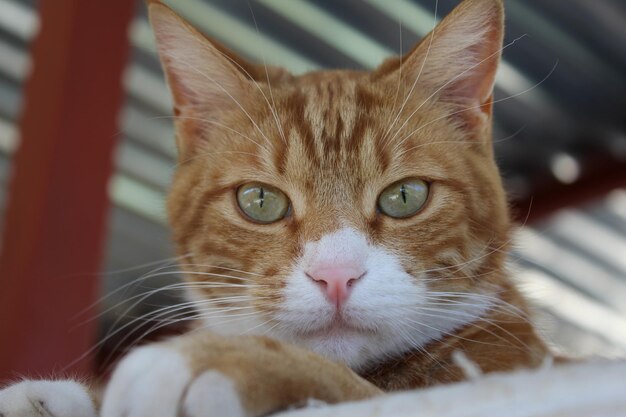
(403, 198)
(262, 203)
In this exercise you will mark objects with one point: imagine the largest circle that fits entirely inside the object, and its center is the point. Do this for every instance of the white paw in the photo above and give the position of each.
(46, 399)
(215, 392)
(156, 381)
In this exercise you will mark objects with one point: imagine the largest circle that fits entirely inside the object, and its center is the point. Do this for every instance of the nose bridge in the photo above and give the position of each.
(330, 206)
(346, 247)
(314, 228)
(331, 231)
(336, 262)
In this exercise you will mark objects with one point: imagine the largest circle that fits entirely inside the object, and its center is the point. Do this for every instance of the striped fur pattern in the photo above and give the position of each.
(332, 141)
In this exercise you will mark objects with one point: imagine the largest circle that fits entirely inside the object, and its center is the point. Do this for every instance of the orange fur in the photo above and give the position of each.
(331, 141)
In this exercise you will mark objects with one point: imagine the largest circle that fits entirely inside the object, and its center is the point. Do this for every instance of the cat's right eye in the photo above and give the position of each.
(262, 203)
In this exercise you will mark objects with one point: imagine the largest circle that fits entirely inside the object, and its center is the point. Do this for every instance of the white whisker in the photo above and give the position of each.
(269, 85)
(395, 149)
(491, 56)
(408, 96)
(208, 77)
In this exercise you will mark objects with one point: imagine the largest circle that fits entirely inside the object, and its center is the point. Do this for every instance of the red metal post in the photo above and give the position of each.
(54, 224)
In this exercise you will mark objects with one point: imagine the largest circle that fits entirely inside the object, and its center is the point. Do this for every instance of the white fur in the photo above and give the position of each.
(382, 312)
(150, 381)
(46, 399)
(213, 394)
(156, 381)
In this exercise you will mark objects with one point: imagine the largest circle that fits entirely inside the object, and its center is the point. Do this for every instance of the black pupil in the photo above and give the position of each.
(403, 193)
(261, 197)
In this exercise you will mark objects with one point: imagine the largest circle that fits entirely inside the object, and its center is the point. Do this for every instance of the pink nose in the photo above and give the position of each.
(337, 281)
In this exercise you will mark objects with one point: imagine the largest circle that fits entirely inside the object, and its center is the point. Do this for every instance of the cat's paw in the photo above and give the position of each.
(157, 381)
(46, 399)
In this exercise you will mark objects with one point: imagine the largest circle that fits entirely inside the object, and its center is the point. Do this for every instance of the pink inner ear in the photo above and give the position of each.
(475, 83)
(197, 71)
(458, 60)
(204, 81)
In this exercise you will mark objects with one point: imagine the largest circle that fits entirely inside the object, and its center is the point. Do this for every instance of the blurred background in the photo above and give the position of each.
(560, 140)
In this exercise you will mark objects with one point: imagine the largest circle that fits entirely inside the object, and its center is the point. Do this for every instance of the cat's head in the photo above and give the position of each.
(358, 214)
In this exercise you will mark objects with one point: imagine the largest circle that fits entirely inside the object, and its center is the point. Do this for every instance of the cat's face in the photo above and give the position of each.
(357, 214)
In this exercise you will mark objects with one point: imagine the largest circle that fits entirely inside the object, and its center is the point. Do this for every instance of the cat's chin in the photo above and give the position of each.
(340, 342)
(356, 348)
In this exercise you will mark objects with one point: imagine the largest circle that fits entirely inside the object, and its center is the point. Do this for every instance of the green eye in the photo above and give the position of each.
(262, 203)
(403, 198)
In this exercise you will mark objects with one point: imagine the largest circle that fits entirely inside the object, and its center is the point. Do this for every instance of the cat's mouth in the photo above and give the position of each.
(336, 327)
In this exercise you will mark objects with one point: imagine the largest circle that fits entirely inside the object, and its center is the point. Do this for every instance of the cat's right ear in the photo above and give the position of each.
(200, 73)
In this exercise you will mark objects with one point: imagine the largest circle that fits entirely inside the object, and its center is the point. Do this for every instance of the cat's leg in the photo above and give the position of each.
(42, 398)
(203, 375)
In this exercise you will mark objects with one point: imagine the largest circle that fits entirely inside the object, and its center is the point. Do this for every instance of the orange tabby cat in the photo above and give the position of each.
(355, 222)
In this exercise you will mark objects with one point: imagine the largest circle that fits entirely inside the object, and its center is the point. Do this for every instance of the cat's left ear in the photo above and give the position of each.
(204, 77)
(197, 70)
(457, 61)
